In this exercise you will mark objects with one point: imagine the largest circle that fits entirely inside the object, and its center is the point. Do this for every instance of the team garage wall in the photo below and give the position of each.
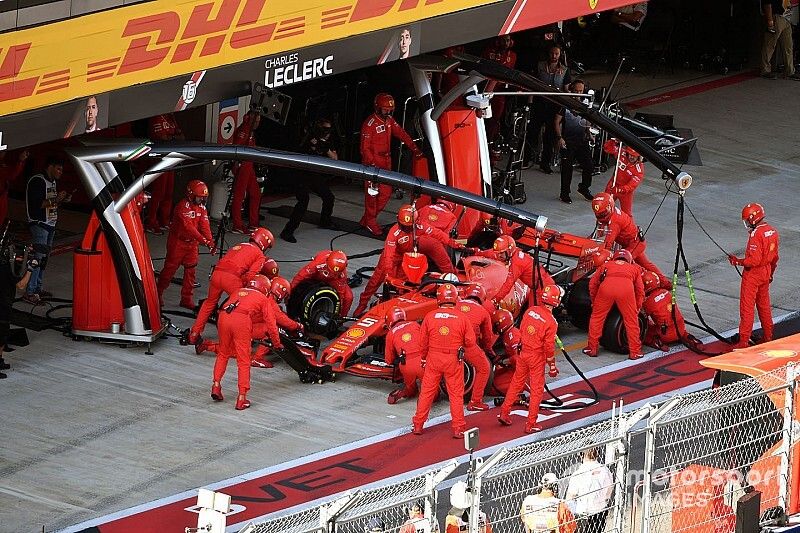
(118, 59)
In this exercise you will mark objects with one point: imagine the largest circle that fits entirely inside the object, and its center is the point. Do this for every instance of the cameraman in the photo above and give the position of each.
(319, 141)
(15, 271)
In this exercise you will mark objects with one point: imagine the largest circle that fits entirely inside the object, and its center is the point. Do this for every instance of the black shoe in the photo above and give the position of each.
(288, 237)
(3, 376)
(586, 193)
(4, 365)
(545, 169)
(769, 75)
(793, 77)
(566, 199)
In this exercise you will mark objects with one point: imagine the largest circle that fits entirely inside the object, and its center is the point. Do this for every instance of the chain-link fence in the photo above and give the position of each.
(680, 466)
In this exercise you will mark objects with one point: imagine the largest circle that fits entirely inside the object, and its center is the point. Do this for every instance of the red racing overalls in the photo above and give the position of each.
(376, 151)
(616, 283)
(443, 332)
(622, 229)
(317, 270)
(245, 181)
(660, 325)
(239, 264)
(628, 178)
(477, 356)
(404, 337)
(760, 262)
(538, 329)
(161, 128)
(521, 267)
(189, 229)
(236, 332)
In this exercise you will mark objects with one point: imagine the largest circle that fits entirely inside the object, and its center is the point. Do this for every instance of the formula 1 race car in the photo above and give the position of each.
(358, 350)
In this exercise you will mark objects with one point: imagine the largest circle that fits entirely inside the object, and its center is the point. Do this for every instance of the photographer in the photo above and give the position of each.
(42, 199)
(15, 271)
(318, 141)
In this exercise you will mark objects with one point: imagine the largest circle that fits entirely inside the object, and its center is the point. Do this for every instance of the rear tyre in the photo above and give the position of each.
(614, 337)
(309, 300)
(579, 305)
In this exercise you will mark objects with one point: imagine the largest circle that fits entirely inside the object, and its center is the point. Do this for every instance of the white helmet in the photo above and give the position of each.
(460, 496)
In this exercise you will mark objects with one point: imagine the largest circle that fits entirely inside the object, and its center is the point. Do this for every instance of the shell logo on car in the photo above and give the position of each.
(356, 333)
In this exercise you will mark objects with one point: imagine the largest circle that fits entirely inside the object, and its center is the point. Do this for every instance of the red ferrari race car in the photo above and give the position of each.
(358, 349)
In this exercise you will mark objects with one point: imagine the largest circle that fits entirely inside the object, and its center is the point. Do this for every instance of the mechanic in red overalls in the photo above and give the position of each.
(161, 128)
(520, 266)
(270, 268)
(245, 306)
(503, 325)
(618, 282)
(759, 262)
(628, 175)
(399, 241)
(500, 51)
(190, 228)
(445, 334)
(403, 349)
(236, 268)
(539, 330)
(245, 177)
(376, 150)
(478, 357)
(661, 325)
(278, 292)
(328, 267)
(622, 230)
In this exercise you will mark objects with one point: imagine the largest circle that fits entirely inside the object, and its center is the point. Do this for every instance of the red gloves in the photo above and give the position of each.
(553, 371)
(735, 261)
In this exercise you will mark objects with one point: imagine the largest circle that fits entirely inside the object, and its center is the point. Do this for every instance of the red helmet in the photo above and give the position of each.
(262, 237)
(260, 283)
(600, 257)
(197, 192)
(502, 319)
(336, 262)
(270, 268)
(752, 214)
(447, 204)
(650, 280)
(447, 294)
(476, 292)
(395, 315)
(624, 255)
(406, 216)
(551, 295)
(603, 206)
(384, 104)
(280, 288)
(504, 244)
(487, 219)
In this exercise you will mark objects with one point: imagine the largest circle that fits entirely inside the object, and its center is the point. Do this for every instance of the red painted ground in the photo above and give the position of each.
(316, 479)
(690, 91)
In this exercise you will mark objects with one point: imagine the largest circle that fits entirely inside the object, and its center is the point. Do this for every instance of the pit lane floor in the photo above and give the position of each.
(91, 429)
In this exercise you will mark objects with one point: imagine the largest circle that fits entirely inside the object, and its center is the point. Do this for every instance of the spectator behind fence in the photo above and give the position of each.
(545, 512)
(588, 492)
(42, 199)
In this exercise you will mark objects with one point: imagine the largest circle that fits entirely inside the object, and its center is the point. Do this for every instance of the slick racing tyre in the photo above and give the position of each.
(311, 299)
(469, 381)
(614, 337)
(579, 305)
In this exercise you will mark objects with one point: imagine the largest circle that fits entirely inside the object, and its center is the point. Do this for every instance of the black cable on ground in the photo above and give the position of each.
(680, 257)
(557, 404)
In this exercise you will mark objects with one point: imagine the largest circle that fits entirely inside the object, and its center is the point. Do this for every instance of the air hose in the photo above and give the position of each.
(556, 403)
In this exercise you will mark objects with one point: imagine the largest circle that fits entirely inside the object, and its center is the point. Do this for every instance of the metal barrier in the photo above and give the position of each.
(680, 466)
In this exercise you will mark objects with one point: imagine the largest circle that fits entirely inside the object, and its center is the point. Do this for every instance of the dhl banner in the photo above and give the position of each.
(532, 13)
(137, 44)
